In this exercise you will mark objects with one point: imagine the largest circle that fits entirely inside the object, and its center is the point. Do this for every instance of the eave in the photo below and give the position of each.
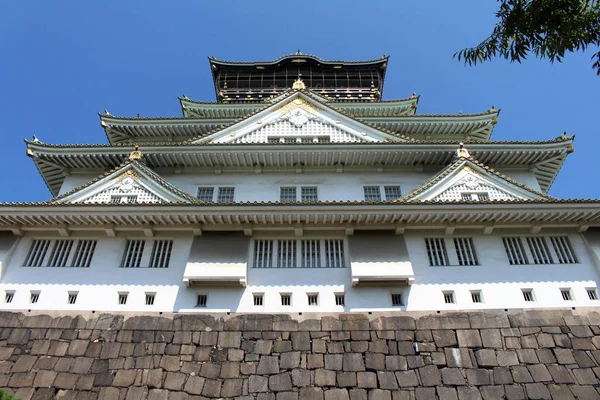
(347, 216)
(55, 162)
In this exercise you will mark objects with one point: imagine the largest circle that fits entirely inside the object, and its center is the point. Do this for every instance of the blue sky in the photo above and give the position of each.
(65, 61)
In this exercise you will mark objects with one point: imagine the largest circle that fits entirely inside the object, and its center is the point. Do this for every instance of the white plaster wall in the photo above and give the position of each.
(499, 282)
(331, 185)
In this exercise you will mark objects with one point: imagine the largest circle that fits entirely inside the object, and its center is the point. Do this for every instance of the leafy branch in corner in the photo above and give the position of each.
(546, 28)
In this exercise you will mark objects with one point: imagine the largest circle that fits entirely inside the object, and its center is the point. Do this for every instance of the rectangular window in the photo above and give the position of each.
(372, 193)
(287, 194)
(311, 254)
(286, 253)
(392, 192)
(483, 196)
(37, 253)
(301, 253)
(448, 297)
(286, 299)
(465, 196)
(225, 195)
(592, 293)
(60, 253)
(397, 299)
(258, 299)
(161, 253)
(206, 194)
(263, 253)
(539, 250)
(72, 298)
(313, 299)
(476, 296)
(436, 251)
(150, 297)
(123, 298)
(465, 251)
(84, 253)
(116, 199)
(309, 194)
(566, 294)
(515, 251)
(132, 257)
(34, 297)
(201, 300)
(9, 295)
(528, 295)
(340, 299)
(563, 249)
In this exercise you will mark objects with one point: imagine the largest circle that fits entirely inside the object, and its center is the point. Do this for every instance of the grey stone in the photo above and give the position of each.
(287, 396)
(585, 376)
(537, 391)
(346, 379)
(492, 392)
(521, 374)
(257, 383)
(395, 363)
(367, 380)
(546, 356)
(456, 321)
(562, 340)
(311, 393)
(407, 378)
(232, 388)
(300, 378)
(373, 361)
(280, 382)
(353, 362)
(502, 376)
(491, 338)
(430, 375)
(63, 380)
(460, 358)
(507, 358)
(230, 339)
(336, 394)
(210, 370)
(24, 363)
(319, 346)
(158, 394)
(582, 344)
(124, 378)
(527, 356)
(174, 381)
(486, 358)
(378, 394)
(137, 393)
(585, 392)
(564, 356)
(581, 358)
(230, 370)
(290, 360)
(212, 388)
(514, 392)
(268, 365)
(452, 377)
(325, 377)
(300, 341)
(387, 380)
(424, 393)
(169, 363)
(468, 338)
(468, 393)
(263, 346)
(335, 348)
(561, 392)
(445, 393)
(560, 374)
(415, 361)
(334, 361)
(479, 377)
(406, 348)
(539, 373)
(314, 361)
(489, 320)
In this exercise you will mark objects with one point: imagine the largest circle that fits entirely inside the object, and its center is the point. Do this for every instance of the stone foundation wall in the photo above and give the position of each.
(492, 355)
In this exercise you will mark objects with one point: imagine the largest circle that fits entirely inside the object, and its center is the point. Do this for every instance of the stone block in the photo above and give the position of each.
(479, 377)
(445, 393)
(282, 346)
(395, 363)
(346, 379)
(174, 381)
(444, 338)
(514, 392)
(24, 363)
(210, 370)
(289, 360)
(280, 382)
(562, 340)
(353, 362)
(268, 365)
(103, 379)
(486, 358)
(44, 378)
(468, 393)
(527, 356)
(585, 376)
(230, 339)
(539, 373)
(458, 358)
(335, 348)
(124, 378)
(451, 321)
(424, 393)
(287, 396)
(491, 338)
(257, 383)
(507, 358)
(379, 394)
(336, 394)
(406, 348)
(314, 361)
(560, 374)
(537, 391)
(230, 370)
(212, 388)
(324, 377)
(311, 325)
(311, 393)
(468, 338)
(170, 363)
(521, 374)
(64, 380)
(367, 380)
(564, 356)
(300, 341)
(560, 392)
(488, 320)
(430, 375)
(334, 361)
(452, 377)
(546, 356)
(407, 378)
(158, 394)
(585, 392)
(300, 378)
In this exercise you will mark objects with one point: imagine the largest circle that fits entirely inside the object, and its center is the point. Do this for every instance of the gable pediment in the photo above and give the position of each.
(131, 183)
(299, 118)
(467, 180)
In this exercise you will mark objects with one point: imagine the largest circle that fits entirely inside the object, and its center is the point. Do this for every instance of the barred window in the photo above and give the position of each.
(313, 299)
(474, 196)
(64, 253)
(392, 192)
(372, 193)
(201, 300)
(286, 299)
(123, 298)
(465, 251)
(436, 251)
(132, 258)
(566, 294)
(258, 299)
(225, 195)
(34, 297)
(206, 194)
(592, 293)
(161, 253)
(299, 253)
(340, 299)
(287, 194)
(150, 297)
(539, 250)
(397, 299)
(115, 199)
(448, 297)
(72, 298)
(9, 295)
(309, 193)
(528, 295)
(476, 296)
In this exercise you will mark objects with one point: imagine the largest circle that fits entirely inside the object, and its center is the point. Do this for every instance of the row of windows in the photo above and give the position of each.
(312, 299)
(34, 297)
(528, 295)
(519, 250)
(79, 253)
(225, 194)
(300, 253)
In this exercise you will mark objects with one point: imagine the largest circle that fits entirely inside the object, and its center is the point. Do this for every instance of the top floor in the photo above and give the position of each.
(256, 81)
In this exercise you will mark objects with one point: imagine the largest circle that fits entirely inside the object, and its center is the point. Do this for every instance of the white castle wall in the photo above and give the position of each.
(500, 283)
(331, 185)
